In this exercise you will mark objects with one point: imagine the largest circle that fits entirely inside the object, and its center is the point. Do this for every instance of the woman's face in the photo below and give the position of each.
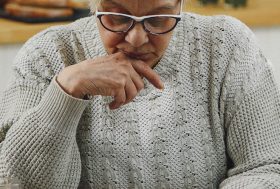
(137, 43)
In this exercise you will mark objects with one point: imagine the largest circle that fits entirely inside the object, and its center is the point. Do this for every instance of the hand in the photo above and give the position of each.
(113, 75)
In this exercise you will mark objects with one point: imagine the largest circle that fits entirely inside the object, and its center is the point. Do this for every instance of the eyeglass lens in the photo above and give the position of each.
(120, 23)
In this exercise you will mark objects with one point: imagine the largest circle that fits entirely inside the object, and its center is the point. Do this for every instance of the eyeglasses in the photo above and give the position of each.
(153, 24)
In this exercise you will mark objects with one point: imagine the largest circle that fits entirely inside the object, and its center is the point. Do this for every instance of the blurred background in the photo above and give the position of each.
(21, 19)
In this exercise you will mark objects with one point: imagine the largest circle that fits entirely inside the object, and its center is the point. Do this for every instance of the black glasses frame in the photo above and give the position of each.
(99, 16)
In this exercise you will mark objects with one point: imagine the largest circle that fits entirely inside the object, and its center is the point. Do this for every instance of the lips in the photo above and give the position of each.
(135, 55)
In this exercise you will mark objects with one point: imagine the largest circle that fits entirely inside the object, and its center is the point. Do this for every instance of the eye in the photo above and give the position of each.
(157, 21)
(160, 24)
(116, 19)
(116, 23)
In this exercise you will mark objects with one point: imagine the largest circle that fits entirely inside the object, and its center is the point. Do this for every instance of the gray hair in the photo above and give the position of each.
(95, 3)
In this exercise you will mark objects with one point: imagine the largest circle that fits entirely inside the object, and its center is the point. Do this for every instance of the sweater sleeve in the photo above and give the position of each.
(253, 140)
(253, 130)
(38, 122)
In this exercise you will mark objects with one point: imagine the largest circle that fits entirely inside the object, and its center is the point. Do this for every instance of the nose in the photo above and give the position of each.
(137, 36)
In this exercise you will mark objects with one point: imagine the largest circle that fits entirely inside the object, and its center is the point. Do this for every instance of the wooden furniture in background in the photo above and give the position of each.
(18, 32)
(258, 13)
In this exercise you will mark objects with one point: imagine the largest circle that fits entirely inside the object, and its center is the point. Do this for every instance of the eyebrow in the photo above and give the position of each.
(167, 7)
(112, 2)
(164, 8)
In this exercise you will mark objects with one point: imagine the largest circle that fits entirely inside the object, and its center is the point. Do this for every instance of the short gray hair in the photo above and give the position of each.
(95, 3)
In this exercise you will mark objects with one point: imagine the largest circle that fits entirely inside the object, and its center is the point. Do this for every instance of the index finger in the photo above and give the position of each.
(146, 71)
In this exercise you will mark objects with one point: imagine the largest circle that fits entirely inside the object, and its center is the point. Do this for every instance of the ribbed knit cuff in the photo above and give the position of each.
(60, 109)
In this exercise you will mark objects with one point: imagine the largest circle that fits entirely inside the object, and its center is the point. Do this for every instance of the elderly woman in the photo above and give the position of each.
(141, 95)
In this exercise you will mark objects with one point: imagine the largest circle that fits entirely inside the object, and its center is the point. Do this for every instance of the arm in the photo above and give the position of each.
(40, 146)
(253, 139)
(253, 124)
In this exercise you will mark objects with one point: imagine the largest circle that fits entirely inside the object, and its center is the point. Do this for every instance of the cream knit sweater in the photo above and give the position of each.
(216, 124)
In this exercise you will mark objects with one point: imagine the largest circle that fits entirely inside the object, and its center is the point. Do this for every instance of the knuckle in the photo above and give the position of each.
(132, 96)
(141, 86)
(124, 73)
(126, 64)
(120, 83)
(129, 99)
(119, 56)
(120, 101)
(145, 68)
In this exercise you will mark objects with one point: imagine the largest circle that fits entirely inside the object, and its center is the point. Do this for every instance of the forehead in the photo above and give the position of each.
(139, 7)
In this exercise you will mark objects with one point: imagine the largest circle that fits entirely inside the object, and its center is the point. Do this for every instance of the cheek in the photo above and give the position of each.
(160, 43)
(110, 40)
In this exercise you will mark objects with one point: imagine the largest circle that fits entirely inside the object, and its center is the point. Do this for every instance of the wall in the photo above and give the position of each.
(269, 39)
(7, 54)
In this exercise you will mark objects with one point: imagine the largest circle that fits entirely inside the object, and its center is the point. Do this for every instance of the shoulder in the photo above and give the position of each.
(49, 51)
(226, 44)
(215, 36)
(58, 35)
(221, 36)
(64, 31)
(217, 26)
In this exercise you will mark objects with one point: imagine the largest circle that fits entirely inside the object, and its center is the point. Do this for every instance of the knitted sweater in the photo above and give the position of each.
(215, 125)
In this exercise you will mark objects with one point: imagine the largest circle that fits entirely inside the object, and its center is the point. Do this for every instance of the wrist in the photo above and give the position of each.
(70, 91)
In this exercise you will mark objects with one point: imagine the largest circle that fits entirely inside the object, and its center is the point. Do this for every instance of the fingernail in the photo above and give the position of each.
(112, 106)
(161, 86)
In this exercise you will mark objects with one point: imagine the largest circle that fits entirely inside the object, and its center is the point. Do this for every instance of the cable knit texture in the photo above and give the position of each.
(215, 125)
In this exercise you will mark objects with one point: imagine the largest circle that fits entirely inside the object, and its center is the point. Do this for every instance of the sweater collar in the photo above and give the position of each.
(166, 67)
